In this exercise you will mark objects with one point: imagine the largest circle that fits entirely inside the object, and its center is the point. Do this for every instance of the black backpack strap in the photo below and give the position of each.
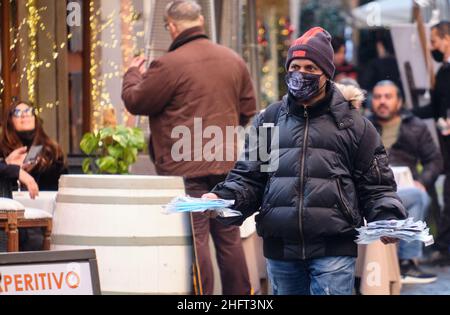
(272, 113)
(271, 116)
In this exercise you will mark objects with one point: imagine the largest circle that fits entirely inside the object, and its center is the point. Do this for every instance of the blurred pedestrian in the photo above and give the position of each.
(343, 68)
(196, 79)
(439, 109)
(384, 67)
(408, 142)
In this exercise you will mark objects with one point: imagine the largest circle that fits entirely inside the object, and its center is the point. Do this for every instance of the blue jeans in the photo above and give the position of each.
(416, 202)
(323, 276)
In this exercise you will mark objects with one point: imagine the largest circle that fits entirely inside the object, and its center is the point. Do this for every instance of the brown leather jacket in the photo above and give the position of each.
(196, 79)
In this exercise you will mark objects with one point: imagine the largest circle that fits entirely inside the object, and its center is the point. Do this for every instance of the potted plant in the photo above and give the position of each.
(111, 150)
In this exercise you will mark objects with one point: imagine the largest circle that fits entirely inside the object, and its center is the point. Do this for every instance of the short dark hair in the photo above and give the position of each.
(443, 28)
(337, 42)
(390, 83)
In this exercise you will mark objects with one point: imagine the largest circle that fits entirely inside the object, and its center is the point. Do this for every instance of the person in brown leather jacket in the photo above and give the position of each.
(196, 80)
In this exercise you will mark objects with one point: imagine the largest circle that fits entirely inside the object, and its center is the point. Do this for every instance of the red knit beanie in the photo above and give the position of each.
(314, 45)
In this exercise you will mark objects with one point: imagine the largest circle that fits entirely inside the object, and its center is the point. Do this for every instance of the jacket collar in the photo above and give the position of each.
(341, 109)
(187, 36)
(318, 109)
(334, 103)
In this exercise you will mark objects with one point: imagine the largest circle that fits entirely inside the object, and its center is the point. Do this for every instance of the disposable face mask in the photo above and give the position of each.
(192, 205)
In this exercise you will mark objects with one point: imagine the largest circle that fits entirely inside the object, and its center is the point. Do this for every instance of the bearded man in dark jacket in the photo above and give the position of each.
(408, 142)
(332, 172)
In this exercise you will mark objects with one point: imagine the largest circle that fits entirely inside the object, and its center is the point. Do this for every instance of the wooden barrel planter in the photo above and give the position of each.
(140, 250)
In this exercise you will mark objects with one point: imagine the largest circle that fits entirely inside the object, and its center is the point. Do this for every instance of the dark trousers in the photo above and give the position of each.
(227, 240)
(443, 238)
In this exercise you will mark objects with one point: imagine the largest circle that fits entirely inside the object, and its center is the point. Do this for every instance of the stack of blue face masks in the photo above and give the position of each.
(190, 205)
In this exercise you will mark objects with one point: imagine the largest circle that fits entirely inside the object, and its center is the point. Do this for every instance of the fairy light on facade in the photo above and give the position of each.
(100, 97)
(129, 44)
(93, 69)
(25, 38)
(32, 21)
(29, 72)
(2, 85)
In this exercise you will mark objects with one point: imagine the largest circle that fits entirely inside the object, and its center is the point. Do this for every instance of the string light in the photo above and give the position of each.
(93, 66)
(128, 43)
(32, 21)
(2, 85)
(100, 70)
(271, 70)
(103, 70)
(35, 26)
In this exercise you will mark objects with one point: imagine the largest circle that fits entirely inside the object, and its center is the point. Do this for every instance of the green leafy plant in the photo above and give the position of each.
(111, 150)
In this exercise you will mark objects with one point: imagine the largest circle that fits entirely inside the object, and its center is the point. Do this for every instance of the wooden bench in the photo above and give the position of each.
(14, 216)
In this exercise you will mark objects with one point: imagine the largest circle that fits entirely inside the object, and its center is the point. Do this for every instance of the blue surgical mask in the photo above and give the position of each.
(303, 86)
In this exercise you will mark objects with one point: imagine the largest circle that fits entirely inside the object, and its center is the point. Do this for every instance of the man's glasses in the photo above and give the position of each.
(18, 113)
(166, 26)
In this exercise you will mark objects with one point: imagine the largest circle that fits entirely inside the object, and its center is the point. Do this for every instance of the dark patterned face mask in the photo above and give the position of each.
(303, 86)
(438, 56)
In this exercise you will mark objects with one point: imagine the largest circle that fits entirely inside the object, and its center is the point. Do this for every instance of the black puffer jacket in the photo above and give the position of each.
(333, 171)
(415, 144)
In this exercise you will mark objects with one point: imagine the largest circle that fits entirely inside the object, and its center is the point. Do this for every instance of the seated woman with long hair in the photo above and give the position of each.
(21, 130)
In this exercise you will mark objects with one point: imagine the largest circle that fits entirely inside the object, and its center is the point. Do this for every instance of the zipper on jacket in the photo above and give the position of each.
(302, 183)
(378, 170)
(347, 211)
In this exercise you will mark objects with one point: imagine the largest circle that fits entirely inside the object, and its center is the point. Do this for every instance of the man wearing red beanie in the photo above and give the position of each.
(332, 173)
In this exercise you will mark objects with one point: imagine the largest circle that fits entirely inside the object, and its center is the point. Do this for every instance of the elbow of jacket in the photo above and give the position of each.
(130, 104)
(132, 110)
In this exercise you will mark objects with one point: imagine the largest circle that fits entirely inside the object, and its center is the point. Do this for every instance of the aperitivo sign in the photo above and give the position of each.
(71, 277)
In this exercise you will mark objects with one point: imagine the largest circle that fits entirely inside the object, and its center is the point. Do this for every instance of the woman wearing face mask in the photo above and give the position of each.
(331, 172)
(22, 130)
